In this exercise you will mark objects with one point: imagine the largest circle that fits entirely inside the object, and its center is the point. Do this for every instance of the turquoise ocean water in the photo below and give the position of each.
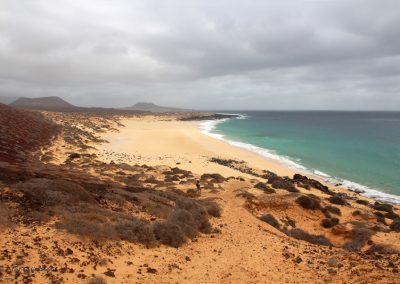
(361, 150)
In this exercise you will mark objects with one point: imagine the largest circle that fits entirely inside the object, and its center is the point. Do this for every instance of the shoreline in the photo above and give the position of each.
(207, 128)
(191, 144)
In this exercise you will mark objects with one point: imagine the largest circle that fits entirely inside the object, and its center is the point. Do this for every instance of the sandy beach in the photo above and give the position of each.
(155, 141)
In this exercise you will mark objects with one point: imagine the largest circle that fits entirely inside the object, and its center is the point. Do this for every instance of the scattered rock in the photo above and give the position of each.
(333, 262)
(74, 156)
(151, 270)
(109, 273)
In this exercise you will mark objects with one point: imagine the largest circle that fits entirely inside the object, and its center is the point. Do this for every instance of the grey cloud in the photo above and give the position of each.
(303, 54)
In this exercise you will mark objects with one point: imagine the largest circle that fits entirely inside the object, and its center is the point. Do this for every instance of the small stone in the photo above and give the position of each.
(333, 262)
(151, 270)
(109, 273)
(332, 271)
(298, 259)
(68, 251)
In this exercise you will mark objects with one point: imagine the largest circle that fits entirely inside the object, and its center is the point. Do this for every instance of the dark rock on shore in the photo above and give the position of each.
(306, 182)
(214, 116)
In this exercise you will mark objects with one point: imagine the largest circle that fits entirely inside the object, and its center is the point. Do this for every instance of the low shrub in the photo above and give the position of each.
(246, 194)
(268, 218)
(329, 222)
(304, 236)
(159, 210)
(87, 228)
(198, 212)
(54, 191)
(360, 236)
(382, 249)
(192, 192)
(333, 209)
(336, 199)
(135, 231)
(391, 215)
(184, 219)
(362, 202)
(261, 186)
(169, 233)
(282, 183)
(383, 207)
(308, 202)
(395, 226)
(212, 208)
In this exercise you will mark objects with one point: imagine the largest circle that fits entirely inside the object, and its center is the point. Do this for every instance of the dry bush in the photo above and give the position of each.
(117, 199)
(245, 194)
(360, 234)
(308, 202)
(332, 209)
(383, 207)
(52, 191)
(198, 212)
(135, 231)
(87, 228)
(362, 202)
(158, 209)
(382, 249)
(268, 218)
(192, 192)
(313, 239)
(336, 199)
(329, 222)
(184, 219)
(395, 226)
(169, 234)
(212, 208)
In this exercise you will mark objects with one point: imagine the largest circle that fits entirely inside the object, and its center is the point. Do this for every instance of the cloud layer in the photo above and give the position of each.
(297, 54)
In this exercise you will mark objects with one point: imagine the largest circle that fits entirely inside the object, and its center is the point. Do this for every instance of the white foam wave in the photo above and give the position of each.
(207, 127)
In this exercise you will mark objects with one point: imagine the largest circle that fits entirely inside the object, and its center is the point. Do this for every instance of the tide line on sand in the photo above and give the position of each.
(208, 127)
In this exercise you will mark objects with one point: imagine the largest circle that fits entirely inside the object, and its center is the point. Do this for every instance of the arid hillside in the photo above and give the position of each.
(22, 133)
(68, 217)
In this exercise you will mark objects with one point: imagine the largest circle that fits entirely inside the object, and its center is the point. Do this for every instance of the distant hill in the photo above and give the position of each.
(23, 132)
(154, 108)
(43, 103)
(7, 99)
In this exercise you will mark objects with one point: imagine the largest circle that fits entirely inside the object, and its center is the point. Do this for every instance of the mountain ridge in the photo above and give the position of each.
(148, 106)
(44, 103)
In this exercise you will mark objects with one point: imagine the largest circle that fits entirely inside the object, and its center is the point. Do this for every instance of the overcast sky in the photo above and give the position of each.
(217, 54)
